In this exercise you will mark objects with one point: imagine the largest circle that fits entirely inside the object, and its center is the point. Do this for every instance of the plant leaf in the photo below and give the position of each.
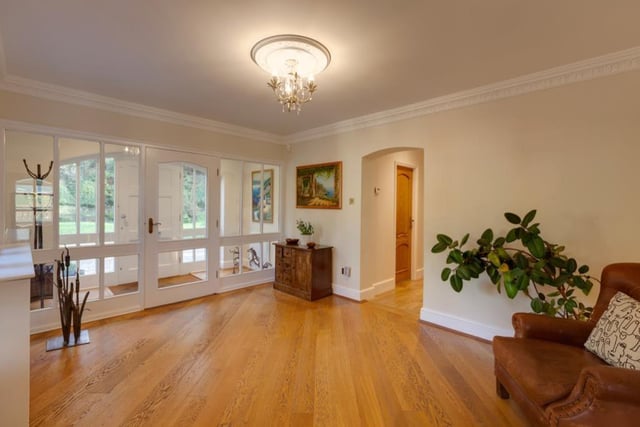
(537, 305)
(528, 218)
(511, 235)
(583, 269)
(494, 259)
(536, 246)
(509, 286)
(446, 272)
(464, 239)
(456, 283)
(439, 247)
(572, 265)
(512, 218)
(443, 238)
(463, 272)
(487, 236)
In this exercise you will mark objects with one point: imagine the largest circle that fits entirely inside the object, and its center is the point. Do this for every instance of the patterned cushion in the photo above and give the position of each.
(616, 336)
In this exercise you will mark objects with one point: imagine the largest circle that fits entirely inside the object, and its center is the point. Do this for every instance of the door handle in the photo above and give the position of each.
(151, 224)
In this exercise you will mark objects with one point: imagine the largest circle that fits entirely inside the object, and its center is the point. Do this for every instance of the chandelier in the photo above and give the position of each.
(292, 61)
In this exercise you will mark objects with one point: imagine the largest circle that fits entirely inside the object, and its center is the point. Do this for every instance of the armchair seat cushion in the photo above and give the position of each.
(545, 371)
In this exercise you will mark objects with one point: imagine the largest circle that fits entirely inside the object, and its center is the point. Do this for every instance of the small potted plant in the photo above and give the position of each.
(306, 231)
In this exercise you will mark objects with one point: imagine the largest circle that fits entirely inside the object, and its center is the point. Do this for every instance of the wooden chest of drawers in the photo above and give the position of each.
(303, 272)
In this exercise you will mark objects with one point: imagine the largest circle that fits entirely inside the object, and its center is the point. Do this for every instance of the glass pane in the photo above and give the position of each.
(271, 184)
(252, 257)
(253, 208)
(120, 275)
(121, 194)
(28, 201)
(268, 255)
(89, 279)
(174, 268)
(194, 197)
(42, 286)
(78, 184)
(229, 260)
(230, 197)
(182, 201)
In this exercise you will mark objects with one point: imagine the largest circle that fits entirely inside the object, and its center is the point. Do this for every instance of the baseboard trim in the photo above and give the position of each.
(352, 294)
(465, 326)
(384, 286)
(365, 294)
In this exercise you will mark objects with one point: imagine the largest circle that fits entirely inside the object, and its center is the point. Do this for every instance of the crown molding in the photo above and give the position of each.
(78, 97)
(601, 66)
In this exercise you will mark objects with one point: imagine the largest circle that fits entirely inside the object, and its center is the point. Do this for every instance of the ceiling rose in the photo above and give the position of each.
(293, 61)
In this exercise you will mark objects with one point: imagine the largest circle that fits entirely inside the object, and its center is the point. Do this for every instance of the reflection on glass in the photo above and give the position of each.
(79, 171)
(182, 267)
(182, 201)
(252, 198)
(120, 275)
(229, 260)
(121, 194)
(42, 286)
(230, 197)
(28, 202)
(268, 252)
(89, 279)
(252, 257)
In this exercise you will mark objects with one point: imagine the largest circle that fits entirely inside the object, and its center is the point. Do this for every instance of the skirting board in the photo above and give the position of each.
(466, 326)
(353, 294)
(365, 294)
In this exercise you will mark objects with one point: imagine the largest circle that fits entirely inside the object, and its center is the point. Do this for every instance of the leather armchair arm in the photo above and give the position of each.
(603, 394)
(566, 331)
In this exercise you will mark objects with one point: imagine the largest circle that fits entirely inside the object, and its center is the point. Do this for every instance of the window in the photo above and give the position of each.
(249, 215)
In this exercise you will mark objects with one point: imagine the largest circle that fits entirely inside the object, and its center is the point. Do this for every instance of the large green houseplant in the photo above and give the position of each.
(531, 266)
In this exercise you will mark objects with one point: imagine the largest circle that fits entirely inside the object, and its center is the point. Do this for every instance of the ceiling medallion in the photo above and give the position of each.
(293, 61)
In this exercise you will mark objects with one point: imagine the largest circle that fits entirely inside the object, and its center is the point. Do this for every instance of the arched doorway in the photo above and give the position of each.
(378, 217)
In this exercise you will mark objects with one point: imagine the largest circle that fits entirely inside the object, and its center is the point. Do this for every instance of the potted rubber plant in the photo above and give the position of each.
(521, 261)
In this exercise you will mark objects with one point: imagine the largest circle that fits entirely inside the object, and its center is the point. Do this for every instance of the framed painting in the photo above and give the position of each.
(262, 202)
(319, 186)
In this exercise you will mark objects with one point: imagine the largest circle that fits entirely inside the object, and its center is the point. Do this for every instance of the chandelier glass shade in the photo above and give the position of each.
(293, 61)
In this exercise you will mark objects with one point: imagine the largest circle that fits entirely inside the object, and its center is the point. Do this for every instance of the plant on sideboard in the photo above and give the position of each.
(520, 262)
(304, 227)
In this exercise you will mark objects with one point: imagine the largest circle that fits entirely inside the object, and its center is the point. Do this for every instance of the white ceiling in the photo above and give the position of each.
(192, 56)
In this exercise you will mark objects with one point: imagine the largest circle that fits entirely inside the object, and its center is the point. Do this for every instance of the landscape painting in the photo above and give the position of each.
(319, 186)
(262, 203)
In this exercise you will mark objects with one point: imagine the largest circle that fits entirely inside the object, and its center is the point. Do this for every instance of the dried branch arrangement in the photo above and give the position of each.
(69, 298)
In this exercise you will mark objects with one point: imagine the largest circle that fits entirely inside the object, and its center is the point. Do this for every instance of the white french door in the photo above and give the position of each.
(181, 235)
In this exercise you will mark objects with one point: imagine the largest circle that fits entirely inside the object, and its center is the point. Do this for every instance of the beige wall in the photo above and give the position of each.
(44, 112)
(572, 152)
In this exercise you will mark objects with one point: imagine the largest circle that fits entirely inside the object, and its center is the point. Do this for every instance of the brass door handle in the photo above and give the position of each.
(151, 224)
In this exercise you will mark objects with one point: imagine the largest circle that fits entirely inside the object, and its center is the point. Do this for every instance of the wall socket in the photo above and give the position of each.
(346, 271)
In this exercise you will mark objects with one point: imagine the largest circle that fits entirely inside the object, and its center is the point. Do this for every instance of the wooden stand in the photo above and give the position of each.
(303, 272)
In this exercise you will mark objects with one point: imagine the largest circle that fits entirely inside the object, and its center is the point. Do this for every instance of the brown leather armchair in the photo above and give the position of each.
(555, 380)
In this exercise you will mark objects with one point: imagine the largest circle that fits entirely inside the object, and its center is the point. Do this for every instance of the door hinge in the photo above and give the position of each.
(217, 274)
(217, 223)
(218, 172)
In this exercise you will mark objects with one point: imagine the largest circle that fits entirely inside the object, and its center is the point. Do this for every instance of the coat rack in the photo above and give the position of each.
(38, 210)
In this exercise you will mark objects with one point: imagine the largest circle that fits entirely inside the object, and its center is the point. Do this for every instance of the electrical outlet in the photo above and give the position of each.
(346, 271)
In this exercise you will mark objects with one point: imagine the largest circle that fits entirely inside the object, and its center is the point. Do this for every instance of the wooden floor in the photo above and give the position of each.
(259, 357)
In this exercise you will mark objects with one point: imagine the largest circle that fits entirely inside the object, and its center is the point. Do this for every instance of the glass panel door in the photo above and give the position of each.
(181, 202)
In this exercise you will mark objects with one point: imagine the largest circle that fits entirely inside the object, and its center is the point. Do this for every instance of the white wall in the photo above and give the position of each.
(572, 152)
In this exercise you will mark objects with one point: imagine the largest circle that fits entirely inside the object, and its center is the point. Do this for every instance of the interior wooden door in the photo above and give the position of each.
(404, 222)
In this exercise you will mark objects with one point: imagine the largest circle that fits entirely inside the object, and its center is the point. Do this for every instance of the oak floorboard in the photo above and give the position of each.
(262, 357)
